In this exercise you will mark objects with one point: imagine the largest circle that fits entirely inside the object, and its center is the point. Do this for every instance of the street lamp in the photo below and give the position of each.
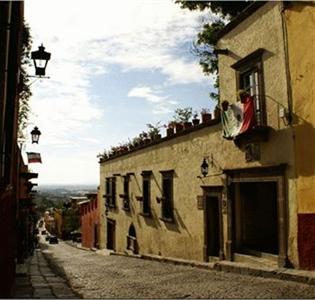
(40, 58)
(204, 168)
(35, 133)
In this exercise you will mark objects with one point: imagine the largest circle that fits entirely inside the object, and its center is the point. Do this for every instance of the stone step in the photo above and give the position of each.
(264, 261)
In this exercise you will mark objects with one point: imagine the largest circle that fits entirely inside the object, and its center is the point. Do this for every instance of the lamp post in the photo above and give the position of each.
(40, 58)
(35, 133)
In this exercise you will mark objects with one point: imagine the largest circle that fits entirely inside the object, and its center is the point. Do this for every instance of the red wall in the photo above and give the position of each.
(89, 219)
(306, 241)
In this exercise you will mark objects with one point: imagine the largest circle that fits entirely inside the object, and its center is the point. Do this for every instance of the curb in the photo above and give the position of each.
(230, 267)
(224, 266)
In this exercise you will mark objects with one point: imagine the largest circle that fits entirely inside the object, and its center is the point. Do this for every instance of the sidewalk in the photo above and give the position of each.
(36, 280)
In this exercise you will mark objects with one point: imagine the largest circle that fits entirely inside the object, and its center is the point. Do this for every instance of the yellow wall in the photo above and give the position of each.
(300, 20)
(184, 154)
(263, 29)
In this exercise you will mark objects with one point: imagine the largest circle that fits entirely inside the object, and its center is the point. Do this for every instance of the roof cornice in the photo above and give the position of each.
(249, 10)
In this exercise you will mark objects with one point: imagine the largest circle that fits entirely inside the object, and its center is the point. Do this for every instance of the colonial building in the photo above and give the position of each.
(89, 216)
(11, 30)
(253, 196)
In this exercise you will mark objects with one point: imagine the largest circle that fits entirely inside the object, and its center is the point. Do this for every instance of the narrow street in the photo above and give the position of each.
(97, 276)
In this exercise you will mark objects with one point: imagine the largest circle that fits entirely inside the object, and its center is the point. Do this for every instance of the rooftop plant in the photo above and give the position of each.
(154, 130)
(183, 115)
(205, 111)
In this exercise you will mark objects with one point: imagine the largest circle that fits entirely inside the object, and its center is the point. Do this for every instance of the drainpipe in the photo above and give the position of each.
(287, 65)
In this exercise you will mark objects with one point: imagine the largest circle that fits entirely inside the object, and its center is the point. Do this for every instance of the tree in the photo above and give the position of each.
(206, 39)
(25, 91)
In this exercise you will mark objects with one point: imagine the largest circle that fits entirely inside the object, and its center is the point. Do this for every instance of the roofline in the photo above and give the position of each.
(240, 18)
(187, 131)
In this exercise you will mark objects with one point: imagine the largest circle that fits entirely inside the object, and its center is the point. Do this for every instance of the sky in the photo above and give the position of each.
(115, 67)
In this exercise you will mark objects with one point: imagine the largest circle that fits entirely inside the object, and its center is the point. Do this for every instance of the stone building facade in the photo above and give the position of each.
(155, 201)
(11, 34)
(89, 219)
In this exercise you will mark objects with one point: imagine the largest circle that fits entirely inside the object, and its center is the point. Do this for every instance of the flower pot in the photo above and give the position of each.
(169, 131)
(217, 113)
(206, 117)
(195, 122)
(179, 127)
(187, 125)
(156, 137)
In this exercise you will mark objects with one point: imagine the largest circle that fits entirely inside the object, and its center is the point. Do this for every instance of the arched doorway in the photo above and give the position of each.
(132, 244)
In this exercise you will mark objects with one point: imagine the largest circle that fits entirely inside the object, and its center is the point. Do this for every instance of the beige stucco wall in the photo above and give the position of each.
(264, 29)
(184, 238)
(300, 20)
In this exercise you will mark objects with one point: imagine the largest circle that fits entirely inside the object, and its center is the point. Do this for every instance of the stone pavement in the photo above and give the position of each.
(36, 280)
(243, 264)
(248, 266)
(116, 276)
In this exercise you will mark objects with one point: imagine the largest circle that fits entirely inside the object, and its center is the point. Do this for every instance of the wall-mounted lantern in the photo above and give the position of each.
(204, 168)
(40, 58)
(35, 133)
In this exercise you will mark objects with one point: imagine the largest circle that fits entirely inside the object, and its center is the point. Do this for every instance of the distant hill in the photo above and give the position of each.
(66, 189)
(71, 187)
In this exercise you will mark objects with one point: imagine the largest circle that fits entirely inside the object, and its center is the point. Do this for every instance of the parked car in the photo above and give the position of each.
(76, 236)
(47, 238)
(43, 232)
(53, 240)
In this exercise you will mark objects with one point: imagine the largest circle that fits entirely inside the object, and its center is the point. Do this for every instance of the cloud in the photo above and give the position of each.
(137, 34)
(161, 104)
(147, 93)
(88, 38)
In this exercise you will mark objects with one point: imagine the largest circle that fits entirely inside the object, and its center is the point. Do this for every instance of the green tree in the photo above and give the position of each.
(25, 91)
(206, 39)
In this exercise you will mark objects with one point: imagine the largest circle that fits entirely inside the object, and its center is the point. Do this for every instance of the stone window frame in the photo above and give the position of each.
(252, 65)
(146, 197)
(125, 196)
(110, 192)
(167, 200)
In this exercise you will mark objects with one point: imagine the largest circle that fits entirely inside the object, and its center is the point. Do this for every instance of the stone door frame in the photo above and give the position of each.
(260, 174)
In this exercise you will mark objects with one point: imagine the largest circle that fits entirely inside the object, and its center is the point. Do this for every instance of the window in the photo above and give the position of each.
(167, 197)
(110, 188)
(249, 76)
(146, 192)
(125, 195)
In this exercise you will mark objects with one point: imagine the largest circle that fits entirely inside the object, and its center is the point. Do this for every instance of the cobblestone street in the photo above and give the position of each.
(98, 276)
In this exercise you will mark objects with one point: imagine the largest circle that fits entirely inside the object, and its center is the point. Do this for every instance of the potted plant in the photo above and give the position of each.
(130, 145)
(136, 142)
(154, 131)
(195, 119)
(103, 156)
(205, 115)
(217, 112)
(170, 128)
(182, 116)
(144, 137)
(114, 151)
